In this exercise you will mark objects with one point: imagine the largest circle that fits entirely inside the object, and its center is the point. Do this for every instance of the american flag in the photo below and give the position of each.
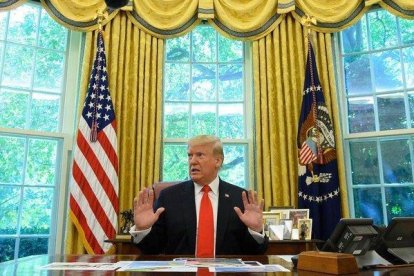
(94, 191)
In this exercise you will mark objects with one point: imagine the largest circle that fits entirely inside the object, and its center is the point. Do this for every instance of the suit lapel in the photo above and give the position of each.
(223, 213)
(189, 212)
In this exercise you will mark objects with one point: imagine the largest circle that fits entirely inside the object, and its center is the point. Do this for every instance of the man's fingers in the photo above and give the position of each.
(261, 204)
(238, 211)
(135, 202)
(159, 211)
(244, 199)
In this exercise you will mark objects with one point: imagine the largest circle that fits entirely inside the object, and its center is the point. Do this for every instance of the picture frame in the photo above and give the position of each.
(283, 211)
(305, 229)
(296, 214)
(276, 232)
(287, 230)
(270, 218)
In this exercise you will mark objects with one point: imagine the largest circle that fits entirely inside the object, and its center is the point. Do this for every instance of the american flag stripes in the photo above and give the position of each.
(94, 191)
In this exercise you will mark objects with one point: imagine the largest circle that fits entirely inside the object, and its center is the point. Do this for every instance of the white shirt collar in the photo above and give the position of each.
(214, 186)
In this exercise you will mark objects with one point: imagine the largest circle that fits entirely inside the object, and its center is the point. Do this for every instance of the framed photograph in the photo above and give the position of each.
(295, 214)
(283, 211)
(305, 229)
(270, 218)
(276, 232)
(287, 230)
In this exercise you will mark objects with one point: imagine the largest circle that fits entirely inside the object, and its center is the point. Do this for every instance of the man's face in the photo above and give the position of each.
(203, 166)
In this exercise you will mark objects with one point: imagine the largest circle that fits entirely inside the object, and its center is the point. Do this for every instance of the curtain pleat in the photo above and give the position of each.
(134, 60)
(279, 72)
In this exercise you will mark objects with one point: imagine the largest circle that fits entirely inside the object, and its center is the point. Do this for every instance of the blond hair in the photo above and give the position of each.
(208, 139)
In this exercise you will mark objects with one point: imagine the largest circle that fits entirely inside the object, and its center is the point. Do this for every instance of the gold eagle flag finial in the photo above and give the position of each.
(308, 21)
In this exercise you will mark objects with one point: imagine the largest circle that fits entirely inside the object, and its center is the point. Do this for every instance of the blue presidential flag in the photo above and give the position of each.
(318, 188)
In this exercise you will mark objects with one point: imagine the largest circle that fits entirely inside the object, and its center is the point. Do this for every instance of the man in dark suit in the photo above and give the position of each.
(170, 227)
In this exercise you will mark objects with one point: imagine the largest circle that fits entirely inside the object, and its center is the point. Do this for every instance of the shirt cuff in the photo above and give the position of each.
(258, 237)
(138, 235)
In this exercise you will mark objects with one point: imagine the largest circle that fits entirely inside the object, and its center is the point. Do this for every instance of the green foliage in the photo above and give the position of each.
(33, 246)
(210, 100)
(7, 249)
(34, 52)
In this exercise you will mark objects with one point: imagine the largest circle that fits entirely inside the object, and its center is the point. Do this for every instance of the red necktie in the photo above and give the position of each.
(205, 237)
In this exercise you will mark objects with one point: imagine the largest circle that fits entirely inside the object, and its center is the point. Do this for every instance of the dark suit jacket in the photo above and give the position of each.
(175, 231)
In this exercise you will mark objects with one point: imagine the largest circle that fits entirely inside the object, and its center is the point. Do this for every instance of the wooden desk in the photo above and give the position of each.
(124, 246)
(30, 266)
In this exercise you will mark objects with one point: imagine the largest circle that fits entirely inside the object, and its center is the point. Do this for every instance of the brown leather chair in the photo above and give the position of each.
(159, 186)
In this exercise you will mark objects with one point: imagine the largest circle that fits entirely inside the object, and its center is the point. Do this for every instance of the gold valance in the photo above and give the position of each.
(240, 19)
(10, 4)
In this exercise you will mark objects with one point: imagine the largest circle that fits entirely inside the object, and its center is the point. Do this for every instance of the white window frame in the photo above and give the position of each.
(248, 118)
(65, 137)
(376, 136)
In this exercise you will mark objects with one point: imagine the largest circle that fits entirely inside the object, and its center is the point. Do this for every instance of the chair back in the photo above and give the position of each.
(159, 186)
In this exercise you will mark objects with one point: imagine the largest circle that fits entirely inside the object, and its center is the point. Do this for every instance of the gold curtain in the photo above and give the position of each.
(239, 19)
(279, 72)
(135, 61)
(10, 4)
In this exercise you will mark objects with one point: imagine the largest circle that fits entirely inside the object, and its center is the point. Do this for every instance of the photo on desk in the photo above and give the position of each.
(295, 214)
(284, 212)
(287, 230)
(305, 229)
(270, 218)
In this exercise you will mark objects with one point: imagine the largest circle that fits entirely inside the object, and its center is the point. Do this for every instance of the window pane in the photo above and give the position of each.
(396, 161)
(1, 51)
(18, 66)
(203, 119)
(387, 70)
(355, 38)
(407, 30)
(364, 163)
(37, 210)
(408, 58)
(41, 162)
(7, 246)
(12, 159)
(45, 112)
(178, 49)
(204, 45)
(204, 82)
(361, 117)
(3, 22)
(383, 29)
(400, 202)
(357, 74)
(391, 112)
(13, 108)
(33, 246)
(411, 106)
(367, 204)
(176, 120)
(229, 50)
(175, 166)
(177, 81)
(49, 64)
(231, 82)
(9, 209)
(23, 25)
(51, 34)
(231, 122)
(233, 169)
